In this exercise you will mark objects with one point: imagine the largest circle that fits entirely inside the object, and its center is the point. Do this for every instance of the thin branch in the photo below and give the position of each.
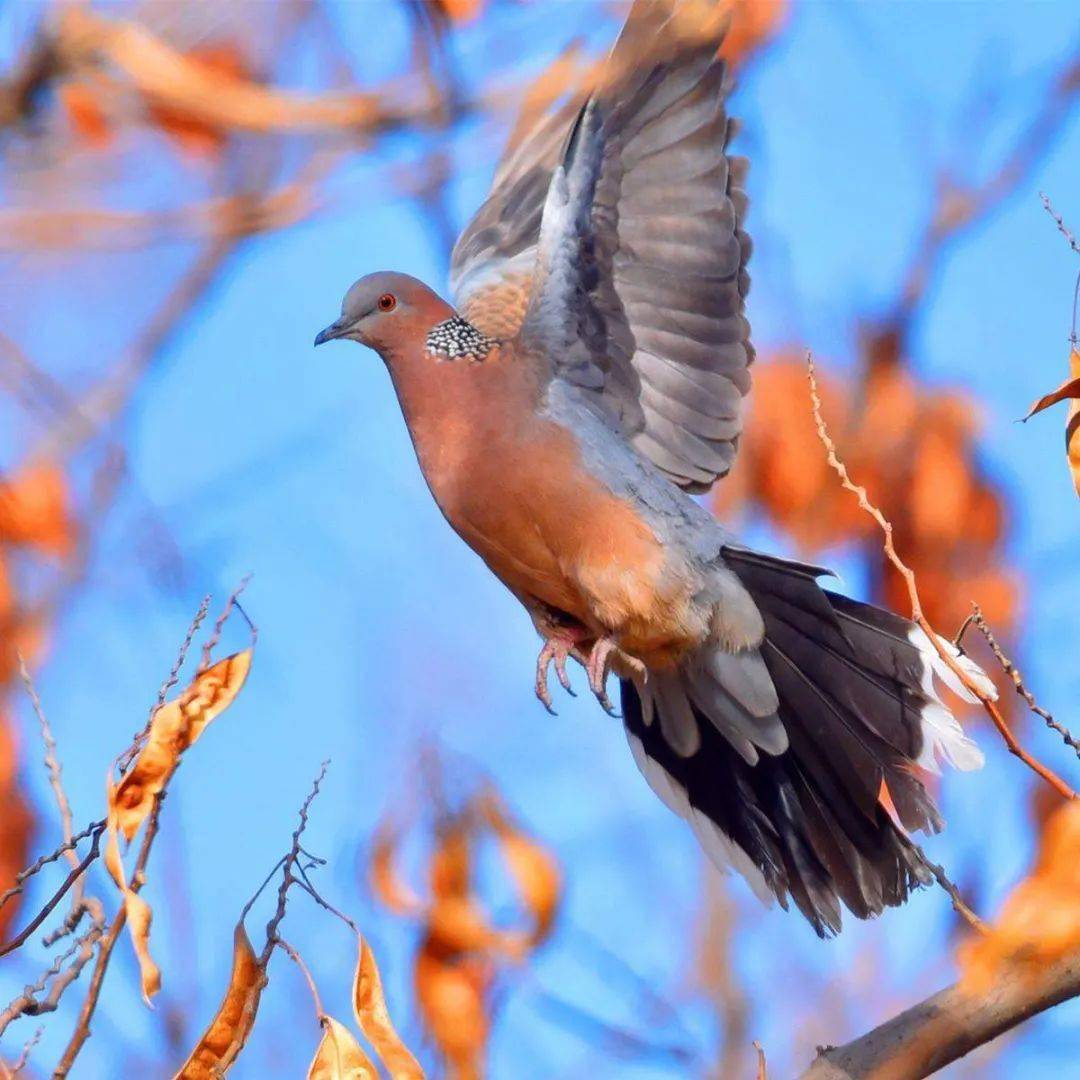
(917, 615)
(977, 619)
(89, 1005)
(74, 876)
(1060, 222)
(42, 861)
(299, 961)
(945, 1027)
(762, 1067)
(958, 904)
(80, 902)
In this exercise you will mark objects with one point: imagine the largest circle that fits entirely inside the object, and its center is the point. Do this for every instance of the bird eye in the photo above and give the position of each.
(387, 302)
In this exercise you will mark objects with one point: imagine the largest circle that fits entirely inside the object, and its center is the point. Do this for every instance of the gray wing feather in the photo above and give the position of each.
(630, 212)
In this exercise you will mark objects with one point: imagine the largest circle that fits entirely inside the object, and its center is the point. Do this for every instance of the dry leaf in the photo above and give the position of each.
(16, 824)
(235, 1015)
(534, 870)
(340, 1056)
(369, 1005)
(137, 909)
(175, 726)
(385, 881)
(1067, 391)
(753, 23)
(35, 509)
(452, 993)
(1041, 918)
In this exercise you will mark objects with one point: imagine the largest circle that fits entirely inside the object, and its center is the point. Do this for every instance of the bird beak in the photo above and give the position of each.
(334, 330)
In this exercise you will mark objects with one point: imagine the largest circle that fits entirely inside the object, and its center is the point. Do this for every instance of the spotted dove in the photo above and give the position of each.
(591, 377)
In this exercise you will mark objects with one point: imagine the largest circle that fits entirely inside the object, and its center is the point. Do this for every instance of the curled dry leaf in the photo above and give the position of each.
(1040, 921)
(235, 1016)
(534, 870)
(175, 726)
(386, 883)
(369, 1005)
(340, 1056)
(137, 910)
(1069, 391)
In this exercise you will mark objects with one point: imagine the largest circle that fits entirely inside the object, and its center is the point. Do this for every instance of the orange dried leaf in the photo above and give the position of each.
(85, 114)
(1067, 391)
(235, 1016)
(452, 996)
(369, 1005)
(137, 910)
(753, 23)
(460, 11)
(534, 870)
(340, 1056)
(35, 509)
(1041, 918)
(175, 727)
(16, 824)
(386, 883)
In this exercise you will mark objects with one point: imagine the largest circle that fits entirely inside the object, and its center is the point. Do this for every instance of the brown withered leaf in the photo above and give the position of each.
(340, 1056)
(137, 910)
(385, 881)
(1041, 918)
(369, 1005)
(175, 726)
(235, 1016)
(753, 24)
(452, 994)
(1069, 391)
(35, 509)
(534, 870)
(16, 823)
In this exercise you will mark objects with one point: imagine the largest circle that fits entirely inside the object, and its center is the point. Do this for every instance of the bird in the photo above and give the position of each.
(588, 381)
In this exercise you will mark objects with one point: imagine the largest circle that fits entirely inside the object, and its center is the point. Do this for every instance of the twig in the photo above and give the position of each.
(958, 904)
(74, 876)
(21, 1061)
(762, 1067)
(1060, 222)
(1010, 669)
(89, 1005)
(42, 861)
(273, 938)
(211, 642)
(299, 961)
(80, 903)
(27, 1004)
(917, 615)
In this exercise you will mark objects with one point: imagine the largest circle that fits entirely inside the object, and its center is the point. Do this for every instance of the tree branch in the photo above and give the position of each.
(952, 1023)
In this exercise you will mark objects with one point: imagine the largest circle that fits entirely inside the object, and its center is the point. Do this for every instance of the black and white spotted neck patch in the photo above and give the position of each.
(458, 339)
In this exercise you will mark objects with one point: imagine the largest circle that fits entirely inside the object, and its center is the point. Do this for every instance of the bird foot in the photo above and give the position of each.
(557, 649)
(597, 666)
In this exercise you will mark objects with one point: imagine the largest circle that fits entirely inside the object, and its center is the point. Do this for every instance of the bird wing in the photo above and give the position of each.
(612, 243)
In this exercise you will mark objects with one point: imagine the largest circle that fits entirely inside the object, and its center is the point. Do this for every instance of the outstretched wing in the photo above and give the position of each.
(612, 241)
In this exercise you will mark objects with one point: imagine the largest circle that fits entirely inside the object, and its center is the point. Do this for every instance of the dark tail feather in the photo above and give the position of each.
(859, 707)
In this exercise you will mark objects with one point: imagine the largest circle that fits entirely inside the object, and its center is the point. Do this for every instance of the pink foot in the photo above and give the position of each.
(556, 650)
(597, 667)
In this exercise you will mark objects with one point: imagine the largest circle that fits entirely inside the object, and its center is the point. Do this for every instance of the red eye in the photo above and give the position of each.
(387, 302)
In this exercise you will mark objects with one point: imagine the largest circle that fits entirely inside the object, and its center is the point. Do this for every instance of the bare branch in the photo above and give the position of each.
(945, 1027)
(917, 616)
(976, 618)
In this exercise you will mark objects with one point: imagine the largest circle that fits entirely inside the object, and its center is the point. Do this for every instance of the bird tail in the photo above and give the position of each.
(791, 761)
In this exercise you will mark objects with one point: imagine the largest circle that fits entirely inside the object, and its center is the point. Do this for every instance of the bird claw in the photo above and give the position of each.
(597, 667)
(555, 652)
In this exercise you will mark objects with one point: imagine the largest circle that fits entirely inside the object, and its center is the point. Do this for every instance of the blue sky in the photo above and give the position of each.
(379, 628)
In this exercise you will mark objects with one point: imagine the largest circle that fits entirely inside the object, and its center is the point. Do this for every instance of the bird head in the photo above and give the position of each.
(385, 311)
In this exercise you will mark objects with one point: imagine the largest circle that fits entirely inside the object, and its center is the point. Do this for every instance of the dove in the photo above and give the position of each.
(588, 380)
